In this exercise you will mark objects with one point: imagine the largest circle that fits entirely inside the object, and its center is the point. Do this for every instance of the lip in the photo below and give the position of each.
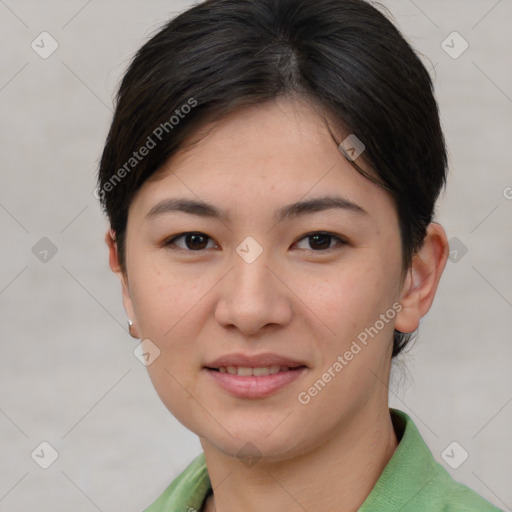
(251, 386)
(254, 361)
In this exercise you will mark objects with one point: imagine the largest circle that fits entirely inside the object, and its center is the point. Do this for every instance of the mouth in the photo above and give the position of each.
(254, 382)
(247, 371)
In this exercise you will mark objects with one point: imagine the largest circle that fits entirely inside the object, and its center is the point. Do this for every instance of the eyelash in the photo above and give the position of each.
(170, 242)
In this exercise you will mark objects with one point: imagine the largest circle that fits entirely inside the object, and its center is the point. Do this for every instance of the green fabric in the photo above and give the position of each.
(412, 481)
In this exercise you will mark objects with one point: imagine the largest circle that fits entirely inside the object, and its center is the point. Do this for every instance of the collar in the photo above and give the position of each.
(409, 471)
(411, 480)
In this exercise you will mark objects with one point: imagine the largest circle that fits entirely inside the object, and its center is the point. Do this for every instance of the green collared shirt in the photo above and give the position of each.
(412, 481)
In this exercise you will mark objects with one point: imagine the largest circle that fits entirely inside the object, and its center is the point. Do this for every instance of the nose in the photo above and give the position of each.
(253, 297)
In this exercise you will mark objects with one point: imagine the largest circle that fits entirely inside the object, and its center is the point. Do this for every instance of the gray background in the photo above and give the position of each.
(68, 373)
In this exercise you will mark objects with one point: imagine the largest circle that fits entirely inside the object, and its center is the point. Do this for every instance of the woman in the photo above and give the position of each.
(270, 178)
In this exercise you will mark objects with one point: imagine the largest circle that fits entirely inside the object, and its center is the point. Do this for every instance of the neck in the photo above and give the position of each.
(341, 471)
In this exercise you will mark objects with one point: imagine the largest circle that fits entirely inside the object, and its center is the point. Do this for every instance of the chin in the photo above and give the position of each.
(252, 445)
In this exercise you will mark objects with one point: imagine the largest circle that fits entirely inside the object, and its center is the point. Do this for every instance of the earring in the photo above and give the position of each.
(130, 329)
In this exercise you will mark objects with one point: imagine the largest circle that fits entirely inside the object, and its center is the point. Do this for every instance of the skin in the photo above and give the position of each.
(294, 300)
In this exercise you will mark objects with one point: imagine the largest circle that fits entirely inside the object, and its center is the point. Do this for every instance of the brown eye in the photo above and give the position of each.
(193, 241)
(321, 241)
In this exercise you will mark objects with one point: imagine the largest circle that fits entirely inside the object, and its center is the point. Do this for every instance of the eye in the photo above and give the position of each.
(321, 241)
(194, 241)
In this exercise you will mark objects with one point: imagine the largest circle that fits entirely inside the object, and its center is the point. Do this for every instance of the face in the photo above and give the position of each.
(318, 286)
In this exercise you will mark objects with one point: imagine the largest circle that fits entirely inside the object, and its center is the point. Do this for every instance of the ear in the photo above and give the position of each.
(420, 285)
(113, 259)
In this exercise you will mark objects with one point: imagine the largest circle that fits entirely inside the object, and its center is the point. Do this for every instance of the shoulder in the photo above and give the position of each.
(456, 497)
(414, 481)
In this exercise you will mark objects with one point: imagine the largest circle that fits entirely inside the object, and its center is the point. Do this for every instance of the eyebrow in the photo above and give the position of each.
(297, 209)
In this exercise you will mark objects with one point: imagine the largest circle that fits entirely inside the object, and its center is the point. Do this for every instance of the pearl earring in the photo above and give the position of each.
(130, 329)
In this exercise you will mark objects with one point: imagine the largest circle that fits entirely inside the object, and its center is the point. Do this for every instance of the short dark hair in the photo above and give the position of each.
(345, 56)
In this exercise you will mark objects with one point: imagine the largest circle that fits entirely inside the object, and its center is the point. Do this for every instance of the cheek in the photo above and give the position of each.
(351, 303)
(169, 306)
(162, 296)
(166, 307)
(352, 295)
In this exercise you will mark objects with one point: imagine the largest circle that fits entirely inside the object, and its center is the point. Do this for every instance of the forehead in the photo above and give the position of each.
(267, 154)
